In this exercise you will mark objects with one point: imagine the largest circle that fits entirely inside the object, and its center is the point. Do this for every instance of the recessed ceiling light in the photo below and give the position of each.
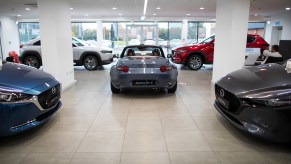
(154, 14)
(256, 14)
(71, 8)
(114, 8)
(202, 8)
(158, 8)
(86, 15)
(27, 9)
(288, 8)
(19, 15)
(269, 22)
(188, 14)
(119, 14)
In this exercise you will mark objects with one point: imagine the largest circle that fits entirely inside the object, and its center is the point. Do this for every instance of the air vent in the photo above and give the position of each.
(32, 5)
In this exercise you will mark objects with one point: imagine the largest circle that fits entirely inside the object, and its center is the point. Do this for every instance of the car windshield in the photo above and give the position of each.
(142, 51)
(207, 40)
(78, 42)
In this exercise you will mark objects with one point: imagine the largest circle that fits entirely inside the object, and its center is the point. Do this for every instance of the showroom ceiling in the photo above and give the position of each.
(133, 9)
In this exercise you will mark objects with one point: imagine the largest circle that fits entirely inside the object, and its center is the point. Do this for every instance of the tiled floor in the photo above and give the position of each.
(138, 127)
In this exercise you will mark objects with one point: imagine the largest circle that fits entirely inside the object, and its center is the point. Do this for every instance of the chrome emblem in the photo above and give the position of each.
(221, 92)
(54, 90)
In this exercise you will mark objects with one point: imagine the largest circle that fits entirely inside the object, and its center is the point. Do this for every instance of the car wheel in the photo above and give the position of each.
(114, 89)
(173, 90)
(32, 61)
(90, 62)
(195, 62)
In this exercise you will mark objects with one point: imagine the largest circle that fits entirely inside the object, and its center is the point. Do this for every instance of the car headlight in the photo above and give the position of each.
(272, 102)
(13, 96)
(180, 51)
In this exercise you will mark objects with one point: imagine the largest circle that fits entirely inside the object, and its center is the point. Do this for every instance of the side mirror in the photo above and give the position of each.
(115, 56)
(169, 56)
(9, 59)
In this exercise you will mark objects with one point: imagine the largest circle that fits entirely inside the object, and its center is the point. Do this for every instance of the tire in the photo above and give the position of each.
(173, 90)
(32, 61)
(114, 90)
(90, 62)
(195, 62)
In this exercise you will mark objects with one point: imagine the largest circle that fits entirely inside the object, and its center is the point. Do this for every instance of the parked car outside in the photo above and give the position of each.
(143, 66)
(28, 98)
(257, 100)
(196, 55)
(83, 54)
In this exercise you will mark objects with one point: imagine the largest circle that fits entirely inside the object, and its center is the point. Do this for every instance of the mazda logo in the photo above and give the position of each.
(54, 90)
(221, 92)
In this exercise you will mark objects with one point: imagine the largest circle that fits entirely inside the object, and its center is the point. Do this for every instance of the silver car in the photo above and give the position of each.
(143, 66)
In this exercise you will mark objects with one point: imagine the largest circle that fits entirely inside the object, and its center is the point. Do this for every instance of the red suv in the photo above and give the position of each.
(202, 53)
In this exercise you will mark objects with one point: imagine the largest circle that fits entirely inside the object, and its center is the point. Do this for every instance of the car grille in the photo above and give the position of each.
(234, 103)
(50, 97)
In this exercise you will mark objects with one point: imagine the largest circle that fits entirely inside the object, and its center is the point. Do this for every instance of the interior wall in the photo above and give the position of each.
(9, 36)
(285, 22)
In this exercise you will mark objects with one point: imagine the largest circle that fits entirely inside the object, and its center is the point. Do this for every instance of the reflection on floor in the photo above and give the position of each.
(95, 126)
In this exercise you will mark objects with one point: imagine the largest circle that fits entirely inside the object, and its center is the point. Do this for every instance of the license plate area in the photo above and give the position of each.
(223, 102)
(143, 82)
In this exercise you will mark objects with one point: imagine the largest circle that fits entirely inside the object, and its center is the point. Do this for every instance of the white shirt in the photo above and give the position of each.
(272, 54)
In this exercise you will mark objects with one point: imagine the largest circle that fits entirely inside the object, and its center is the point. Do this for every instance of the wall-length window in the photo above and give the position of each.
(84, 31)
(28, 31)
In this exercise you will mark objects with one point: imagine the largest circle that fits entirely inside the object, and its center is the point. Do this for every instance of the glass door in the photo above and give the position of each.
(141, 34)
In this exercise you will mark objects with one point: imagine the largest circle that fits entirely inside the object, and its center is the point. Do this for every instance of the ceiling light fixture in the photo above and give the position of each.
(119, 14)
(158, 8)
(287, 8)
(71, 8)
(202, 8)
(269, 22)
(188, 14)
(114, 8)
(145, 7)
(19, 15)
(27, 9)
(256, 14)
(86, 15)
(154, 14)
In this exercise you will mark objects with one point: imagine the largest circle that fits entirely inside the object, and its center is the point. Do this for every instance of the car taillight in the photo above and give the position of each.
(123, 68)
(20, 46)
(165, 68)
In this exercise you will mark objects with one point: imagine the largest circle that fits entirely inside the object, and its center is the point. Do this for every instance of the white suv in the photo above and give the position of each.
(83, 54)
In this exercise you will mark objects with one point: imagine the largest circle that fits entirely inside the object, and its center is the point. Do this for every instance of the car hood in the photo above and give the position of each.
(143, 62)
(262, 78)
(192, 47)
(21, 77)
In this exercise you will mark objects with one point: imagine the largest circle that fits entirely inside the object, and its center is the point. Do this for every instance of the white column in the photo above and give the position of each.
(56, 40)
(99, 33)
(184, 33)
(9, 35)
(231, 35)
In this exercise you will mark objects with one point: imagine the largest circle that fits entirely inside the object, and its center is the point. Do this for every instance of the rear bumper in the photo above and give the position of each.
(163, 80)
(268, 124)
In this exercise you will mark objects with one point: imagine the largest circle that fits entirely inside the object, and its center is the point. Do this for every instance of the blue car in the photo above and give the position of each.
(28, 97)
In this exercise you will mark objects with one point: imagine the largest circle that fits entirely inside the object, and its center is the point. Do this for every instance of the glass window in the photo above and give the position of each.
(207, 40)
(28, 31)
(38, 43)
(85, 31)
(250, 39)
(205, 30)
(192, 32)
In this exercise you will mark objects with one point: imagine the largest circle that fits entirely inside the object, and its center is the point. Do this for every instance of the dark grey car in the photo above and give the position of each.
(257, 100)
(143, 66)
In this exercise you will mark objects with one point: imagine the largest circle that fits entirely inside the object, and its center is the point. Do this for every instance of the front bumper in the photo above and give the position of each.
(268, 124)
(20, 117)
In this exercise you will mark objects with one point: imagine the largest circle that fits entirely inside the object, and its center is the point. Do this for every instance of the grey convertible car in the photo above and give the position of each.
(143, 66)
(257, 100)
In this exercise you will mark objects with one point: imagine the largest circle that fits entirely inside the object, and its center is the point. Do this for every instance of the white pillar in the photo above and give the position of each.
(231, 35)
(184, 33)
(56, 40)
(99, 33)
(9, 35)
